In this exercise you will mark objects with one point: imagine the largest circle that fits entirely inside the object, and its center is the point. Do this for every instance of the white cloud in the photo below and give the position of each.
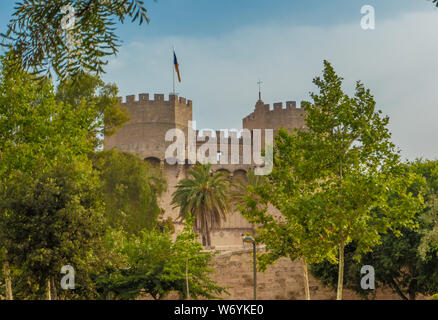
(397, 61)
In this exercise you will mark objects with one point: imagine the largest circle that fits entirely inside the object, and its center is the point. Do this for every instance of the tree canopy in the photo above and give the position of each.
(206, 196)
(87, 94)
(130, 189)
(47, 183)
(337, 181)
(37, 37)
(156, 265)
(402, 262)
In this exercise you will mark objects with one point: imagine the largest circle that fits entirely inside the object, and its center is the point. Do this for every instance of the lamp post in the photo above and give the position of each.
(252, 240)
(187, 278)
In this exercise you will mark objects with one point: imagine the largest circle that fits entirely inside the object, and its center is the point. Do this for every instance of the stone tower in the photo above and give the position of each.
(263, 117)
(150, 120)
(144, 135)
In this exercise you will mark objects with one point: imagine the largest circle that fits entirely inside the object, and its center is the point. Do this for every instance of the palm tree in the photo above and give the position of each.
(206, 196)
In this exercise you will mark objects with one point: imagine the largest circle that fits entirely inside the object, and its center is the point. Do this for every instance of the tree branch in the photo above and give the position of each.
(87, 7)
(398, 290)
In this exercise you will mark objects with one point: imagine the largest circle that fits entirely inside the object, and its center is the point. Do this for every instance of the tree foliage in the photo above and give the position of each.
(33, 124)
(88, 94)
(401, 262)
(130, 188)
(268, 206)
(337, 181)
(206, 196)
(359, 187)
(155, 265)
(52, 195)
(36, 36)
(53, 218)
(49, 206)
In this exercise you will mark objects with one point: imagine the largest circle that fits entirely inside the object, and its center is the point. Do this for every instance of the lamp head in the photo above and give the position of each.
(248, 239)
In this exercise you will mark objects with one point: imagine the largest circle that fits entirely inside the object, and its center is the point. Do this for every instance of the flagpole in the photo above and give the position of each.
(173, 68)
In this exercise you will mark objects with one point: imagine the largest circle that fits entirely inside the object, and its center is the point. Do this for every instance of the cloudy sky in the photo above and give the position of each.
(225, 46)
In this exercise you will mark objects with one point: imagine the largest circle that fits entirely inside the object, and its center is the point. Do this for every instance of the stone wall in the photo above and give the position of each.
(281, 281)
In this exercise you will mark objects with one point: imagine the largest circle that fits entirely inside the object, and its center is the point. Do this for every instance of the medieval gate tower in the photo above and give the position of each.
(144, 135)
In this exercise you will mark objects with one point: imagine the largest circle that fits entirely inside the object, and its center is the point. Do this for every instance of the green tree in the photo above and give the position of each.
(53, 218)
(206, 196)
(30, 125)
(357, 167)
(155, 265)
(429, 233)
(189, 267)
(273, 204)
(400, 261)
(37, 136)
(130, 188)
(143, 258)
(87, 94)
(35, 34)
(334, 181)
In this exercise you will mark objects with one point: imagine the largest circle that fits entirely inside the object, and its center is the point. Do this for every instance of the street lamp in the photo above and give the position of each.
(187, 279)
(247, 238)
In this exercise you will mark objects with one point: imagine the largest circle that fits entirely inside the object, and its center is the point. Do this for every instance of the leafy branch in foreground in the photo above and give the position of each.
(35, 34)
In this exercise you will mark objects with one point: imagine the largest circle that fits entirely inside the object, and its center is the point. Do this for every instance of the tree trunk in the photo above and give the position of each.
(306, 279)
(8, 280)
(411, 289)
(208, 239)
(397, 289)
(340, 272)
(53, 293)
(207, 231)
(48, 290)
(341, 245)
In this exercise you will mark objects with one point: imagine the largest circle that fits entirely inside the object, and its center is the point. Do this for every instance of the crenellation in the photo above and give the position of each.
(143, 97)
(130, 98)
(291, 104)
(159, 97)
(264, 117)
(278, 106)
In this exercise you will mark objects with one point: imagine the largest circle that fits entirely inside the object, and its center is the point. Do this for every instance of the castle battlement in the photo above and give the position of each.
(151, 119)
(159, 99)
(281, 115)
(277, 107)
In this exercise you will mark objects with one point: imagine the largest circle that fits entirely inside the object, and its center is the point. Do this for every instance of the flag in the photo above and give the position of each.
(175, 62)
